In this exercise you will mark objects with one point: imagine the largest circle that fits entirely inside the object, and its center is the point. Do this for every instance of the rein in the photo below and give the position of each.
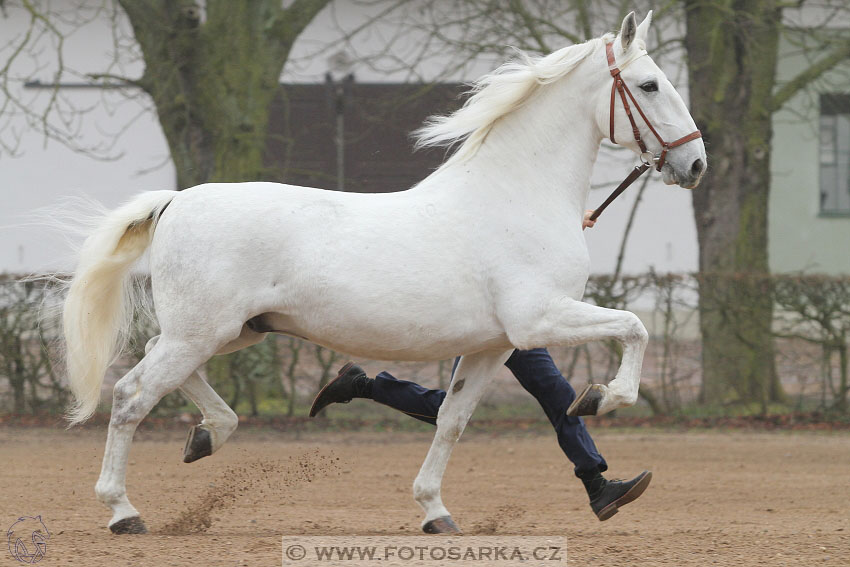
(619, 86)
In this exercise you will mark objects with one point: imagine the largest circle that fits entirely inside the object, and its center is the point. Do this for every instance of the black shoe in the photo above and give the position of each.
(618, 493)
(350, 383)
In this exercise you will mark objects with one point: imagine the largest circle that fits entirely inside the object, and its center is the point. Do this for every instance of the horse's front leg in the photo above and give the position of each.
(470, 380)
(569, 322)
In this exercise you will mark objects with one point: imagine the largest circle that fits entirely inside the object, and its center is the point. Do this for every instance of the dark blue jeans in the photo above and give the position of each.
(537, 373)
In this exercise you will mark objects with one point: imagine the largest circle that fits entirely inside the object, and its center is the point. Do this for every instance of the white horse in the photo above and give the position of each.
(483, 256)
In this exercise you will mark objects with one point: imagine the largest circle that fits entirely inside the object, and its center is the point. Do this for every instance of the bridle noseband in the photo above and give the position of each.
(646, 157)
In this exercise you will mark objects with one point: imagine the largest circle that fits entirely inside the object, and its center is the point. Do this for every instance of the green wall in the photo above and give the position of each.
(799, 237)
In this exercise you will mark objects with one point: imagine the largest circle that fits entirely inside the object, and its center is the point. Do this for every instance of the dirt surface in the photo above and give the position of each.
(717, 498)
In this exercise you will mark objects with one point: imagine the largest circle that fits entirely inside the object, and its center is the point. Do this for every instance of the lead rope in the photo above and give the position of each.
(636, 172)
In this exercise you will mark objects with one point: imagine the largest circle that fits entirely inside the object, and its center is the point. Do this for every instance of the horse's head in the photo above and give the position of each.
(666, 128)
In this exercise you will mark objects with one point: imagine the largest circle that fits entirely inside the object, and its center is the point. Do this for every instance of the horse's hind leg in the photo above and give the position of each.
(162, 370)
(470, 380)
(220, 421)
(218, 424)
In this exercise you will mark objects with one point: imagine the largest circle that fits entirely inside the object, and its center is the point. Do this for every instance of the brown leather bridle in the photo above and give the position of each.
(619, 86)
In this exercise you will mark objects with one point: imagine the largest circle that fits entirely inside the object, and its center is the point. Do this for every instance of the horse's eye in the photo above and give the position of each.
(649, 86)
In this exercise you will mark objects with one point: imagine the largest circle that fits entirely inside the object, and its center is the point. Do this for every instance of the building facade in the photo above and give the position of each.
(809, 211)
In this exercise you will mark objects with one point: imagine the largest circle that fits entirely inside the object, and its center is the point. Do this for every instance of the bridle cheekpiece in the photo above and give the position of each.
(647, 158)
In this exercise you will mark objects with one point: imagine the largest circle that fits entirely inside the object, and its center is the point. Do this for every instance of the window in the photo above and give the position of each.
(835, 154)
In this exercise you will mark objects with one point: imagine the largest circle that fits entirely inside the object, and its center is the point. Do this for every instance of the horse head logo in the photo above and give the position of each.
(27, 539)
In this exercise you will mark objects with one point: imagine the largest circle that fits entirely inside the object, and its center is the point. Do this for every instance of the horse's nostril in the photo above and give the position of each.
(697, 167)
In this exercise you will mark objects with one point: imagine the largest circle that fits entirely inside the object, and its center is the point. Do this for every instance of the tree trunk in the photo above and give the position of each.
(17, 377)
(291, 373)
(840, 398)
(732, 54)
(213, 80)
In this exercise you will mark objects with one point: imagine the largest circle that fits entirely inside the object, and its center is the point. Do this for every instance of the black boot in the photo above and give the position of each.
(350, 383)
(606, 496)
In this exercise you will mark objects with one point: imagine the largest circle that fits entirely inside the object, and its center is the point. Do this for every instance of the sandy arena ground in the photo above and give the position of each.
(717, 498)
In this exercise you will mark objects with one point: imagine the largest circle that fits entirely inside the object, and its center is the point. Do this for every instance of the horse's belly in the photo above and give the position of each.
(393, 335)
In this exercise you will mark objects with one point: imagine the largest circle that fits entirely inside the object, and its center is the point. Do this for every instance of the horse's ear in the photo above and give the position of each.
(643, 28)
(628, 31)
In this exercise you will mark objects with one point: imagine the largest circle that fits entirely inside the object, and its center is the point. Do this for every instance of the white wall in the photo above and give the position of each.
(663, 237)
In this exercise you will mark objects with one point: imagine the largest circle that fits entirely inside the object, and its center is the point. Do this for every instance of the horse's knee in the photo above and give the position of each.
(636, 330)
(451, 429)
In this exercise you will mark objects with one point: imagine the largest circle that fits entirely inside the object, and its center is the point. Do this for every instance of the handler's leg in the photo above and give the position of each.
(537, 373)
(568, 322)
(407, 397)
(534, 369)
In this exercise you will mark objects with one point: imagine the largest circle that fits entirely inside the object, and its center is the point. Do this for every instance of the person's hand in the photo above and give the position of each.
(586, 222)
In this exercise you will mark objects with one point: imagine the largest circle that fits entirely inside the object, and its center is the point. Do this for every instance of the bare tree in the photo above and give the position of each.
(25, 358)
(816, 309)
(211, 70)
(733, 54)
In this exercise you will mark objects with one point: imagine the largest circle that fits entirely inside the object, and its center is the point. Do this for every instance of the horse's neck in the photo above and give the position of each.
(540, 156)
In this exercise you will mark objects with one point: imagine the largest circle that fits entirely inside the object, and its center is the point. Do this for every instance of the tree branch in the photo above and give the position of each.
(792, 87)
(583, 19)
(295, 18)
(117, 78)
(530, 25)
(621, 255)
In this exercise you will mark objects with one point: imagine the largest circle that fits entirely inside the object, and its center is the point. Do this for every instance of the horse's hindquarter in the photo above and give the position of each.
(384, 276)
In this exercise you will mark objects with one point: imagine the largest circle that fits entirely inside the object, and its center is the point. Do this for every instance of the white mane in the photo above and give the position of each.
(504, 90)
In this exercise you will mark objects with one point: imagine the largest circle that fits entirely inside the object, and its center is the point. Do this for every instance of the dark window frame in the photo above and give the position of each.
(833, 153)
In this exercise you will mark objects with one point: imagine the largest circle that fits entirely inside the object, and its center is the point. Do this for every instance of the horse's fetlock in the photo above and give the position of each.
(107, 492)
(229, 422)
(221, 427)
(424, 491)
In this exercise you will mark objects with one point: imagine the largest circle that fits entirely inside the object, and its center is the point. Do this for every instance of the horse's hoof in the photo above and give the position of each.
(198, 445)
(588, 402)
(131, 525)
(441, 525)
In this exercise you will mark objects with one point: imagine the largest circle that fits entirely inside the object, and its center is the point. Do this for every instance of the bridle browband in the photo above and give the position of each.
(619, 86)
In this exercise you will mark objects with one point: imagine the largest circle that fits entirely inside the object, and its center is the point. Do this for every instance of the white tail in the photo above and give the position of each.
(99, 307)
